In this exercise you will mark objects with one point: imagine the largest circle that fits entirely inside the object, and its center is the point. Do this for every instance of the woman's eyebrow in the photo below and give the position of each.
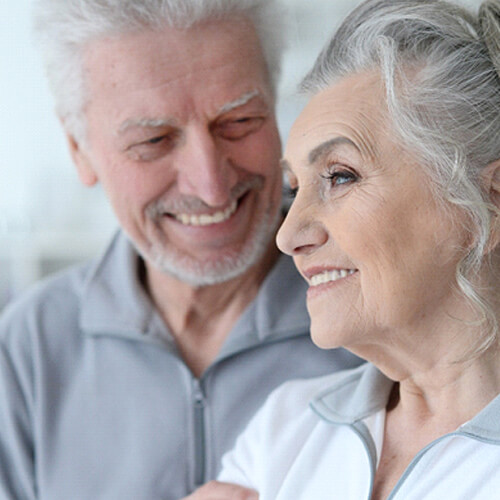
(320, 151)
(328, 146)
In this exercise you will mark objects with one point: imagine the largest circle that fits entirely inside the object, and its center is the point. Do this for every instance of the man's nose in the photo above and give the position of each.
(204, 170)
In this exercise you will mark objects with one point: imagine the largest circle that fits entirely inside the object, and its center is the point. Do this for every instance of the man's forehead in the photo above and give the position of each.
(206, 47)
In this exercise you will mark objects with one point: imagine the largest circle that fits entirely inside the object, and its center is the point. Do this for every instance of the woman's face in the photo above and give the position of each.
(365, 231)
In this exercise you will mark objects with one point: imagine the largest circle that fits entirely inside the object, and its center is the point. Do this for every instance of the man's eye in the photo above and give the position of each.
(239, 128)
(156, 140)
(151, 149)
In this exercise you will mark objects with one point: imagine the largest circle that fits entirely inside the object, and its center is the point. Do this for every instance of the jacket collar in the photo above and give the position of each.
(354, 395)
(114, 303)
(278, 312)
(113, 300)
(486, 424)
(359, 393)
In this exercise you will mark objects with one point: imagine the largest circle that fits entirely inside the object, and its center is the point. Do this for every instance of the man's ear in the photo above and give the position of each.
(86, 171)
(490, 178)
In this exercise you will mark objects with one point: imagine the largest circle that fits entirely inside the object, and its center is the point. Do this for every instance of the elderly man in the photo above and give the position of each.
(129, 377)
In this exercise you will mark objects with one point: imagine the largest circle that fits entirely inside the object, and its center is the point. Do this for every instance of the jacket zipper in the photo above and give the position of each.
(199, 435)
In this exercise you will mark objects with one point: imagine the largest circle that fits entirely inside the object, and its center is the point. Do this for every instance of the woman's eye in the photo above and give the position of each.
(337, 177)
(290, 192)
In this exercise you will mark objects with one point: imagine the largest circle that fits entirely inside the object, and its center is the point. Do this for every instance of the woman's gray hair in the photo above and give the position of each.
(63, 28)
(443, 96)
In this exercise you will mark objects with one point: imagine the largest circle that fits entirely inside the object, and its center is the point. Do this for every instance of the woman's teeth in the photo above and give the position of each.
(205, 219)
(327, 276)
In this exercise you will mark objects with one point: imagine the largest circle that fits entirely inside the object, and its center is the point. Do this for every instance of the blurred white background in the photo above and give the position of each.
(47, 218)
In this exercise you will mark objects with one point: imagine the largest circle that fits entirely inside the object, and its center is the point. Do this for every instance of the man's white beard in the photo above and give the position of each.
(200, 273)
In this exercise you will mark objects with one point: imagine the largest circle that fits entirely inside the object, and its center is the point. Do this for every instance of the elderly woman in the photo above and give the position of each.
(395, 166)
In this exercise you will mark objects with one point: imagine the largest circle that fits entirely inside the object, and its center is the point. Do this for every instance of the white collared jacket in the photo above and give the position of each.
(321, 439)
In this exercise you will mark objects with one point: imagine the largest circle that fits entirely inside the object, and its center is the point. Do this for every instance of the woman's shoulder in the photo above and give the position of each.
(288, 406)
(279, 430)
(300, 392)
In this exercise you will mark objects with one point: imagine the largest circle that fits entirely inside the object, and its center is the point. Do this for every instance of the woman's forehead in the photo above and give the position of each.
(351, 112)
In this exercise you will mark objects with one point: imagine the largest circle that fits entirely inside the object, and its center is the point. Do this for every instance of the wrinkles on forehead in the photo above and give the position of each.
(350, 115)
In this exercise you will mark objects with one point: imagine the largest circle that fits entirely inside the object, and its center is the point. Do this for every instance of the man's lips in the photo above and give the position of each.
(191, 211)
(207, 219)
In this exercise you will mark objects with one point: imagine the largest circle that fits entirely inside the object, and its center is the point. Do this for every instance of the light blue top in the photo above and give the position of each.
(96, 403)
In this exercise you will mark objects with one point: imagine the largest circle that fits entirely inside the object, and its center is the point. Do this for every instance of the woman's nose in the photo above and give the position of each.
(301, 232)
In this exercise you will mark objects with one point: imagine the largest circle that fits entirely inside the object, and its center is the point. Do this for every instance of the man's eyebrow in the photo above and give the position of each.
(166, 122)
(144, 123)
(240, 101)
(326, 147)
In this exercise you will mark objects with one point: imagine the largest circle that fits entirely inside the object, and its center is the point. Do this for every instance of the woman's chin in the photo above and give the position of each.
(325, 338)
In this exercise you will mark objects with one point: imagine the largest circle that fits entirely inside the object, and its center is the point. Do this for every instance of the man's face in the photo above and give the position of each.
(181, 134)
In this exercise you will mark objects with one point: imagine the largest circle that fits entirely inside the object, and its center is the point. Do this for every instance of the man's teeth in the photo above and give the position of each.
(205, 219)
(327, 276)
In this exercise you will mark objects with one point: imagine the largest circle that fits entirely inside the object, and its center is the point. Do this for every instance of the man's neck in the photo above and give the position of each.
(200, 318)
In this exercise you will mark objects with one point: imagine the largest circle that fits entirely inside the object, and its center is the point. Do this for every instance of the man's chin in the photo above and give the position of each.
(206, 272)
(224, 266)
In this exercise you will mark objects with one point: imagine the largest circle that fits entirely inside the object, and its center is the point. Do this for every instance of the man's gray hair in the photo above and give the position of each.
(443, 96)
(63, 28)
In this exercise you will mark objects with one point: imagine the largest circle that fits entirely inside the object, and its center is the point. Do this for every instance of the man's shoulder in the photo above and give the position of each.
(53, 300)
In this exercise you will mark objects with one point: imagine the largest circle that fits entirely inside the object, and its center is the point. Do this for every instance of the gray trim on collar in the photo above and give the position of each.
(113, 301)
(358, 394)
(486, 424)
(363, 391)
